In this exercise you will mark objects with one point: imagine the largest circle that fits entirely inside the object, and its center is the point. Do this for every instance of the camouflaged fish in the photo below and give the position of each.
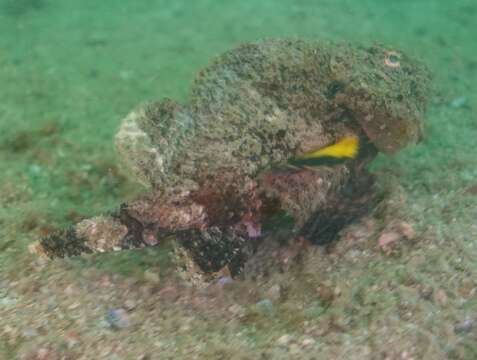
(327, 109)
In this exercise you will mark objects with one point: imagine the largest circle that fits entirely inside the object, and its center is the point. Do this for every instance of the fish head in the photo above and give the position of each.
(384, 91)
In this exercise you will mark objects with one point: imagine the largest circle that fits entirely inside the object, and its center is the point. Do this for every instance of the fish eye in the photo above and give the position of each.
(392, 59)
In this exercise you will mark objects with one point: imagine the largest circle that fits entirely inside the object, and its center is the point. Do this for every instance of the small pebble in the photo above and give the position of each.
(467, 288)
(471, 190)
(34, 169)
(224, 280)
(406, 229)
(105, 281)
(426, 292)
(71, 339)
(236, 310)
(117, 318)
(130, 304)
(308, 342)
(387, 239)
(43, 354)
(151, 276)
(168, 293)
(71, 290)
(115, 357)
(440, 297)
(459, 102)
(284, 340)
(275, 292)
(326, 294)
(73, 306)
(464, 326)
(264, 306)
(29, 333)
(7, 301)
(294, 349)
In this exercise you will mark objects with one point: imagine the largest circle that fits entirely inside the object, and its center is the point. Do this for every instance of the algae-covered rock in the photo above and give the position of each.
(211, 164)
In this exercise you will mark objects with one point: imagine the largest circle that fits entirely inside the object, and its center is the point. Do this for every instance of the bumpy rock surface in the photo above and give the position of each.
(211, 164)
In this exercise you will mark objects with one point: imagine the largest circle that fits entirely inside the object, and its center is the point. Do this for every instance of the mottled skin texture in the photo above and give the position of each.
(264, 102)
(211, 164)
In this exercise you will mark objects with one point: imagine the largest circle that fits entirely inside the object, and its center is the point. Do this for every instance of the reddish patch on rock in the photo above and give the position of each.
(171, 212)
(228, 201)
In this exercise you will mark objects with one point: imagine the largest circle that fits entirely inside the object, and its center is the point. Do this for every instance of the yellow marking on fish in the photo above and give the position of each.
(347, 147)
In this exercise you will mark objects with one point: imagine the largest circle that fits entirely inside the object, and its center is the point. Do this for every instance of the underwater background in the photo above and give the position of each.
(71, 70)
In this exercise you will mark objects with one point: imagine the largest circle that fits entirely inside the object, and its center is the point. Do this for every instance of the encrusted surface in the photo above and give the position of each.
(215, 165)
(264, 102)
